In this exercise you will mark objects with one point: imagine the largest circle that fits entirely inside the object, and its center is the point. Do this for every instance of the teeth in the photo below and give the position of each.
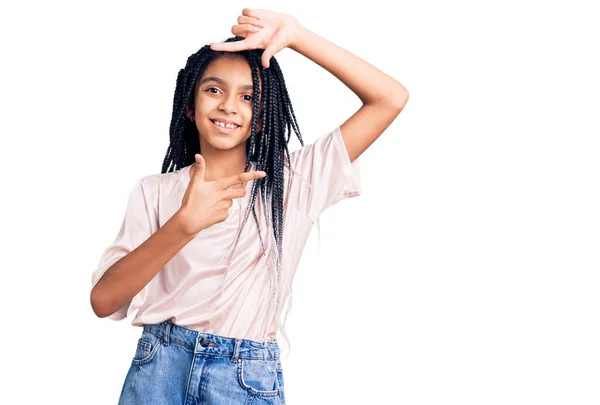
(221, 124)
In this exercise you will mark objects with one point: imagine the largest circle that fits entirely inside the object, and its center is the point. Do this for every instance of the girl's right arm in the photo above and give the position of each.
(204, 204)
(129, 275)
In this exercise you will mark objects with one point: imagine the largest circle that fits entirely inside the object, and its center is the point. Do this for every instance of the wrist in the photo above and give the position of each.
(299, 37)
(182, 224)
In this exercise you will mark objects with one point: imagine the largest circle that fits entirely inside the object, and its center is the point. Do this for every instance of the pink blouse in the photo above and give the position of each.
(202, 287)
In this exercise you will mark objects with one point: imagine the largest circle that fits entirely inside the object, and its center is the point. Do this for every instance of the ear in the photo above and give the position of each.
(189, 113)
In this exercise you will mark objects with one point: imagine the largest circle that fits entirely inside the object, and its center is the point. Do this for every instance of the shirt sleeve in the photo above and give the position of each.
(324, 174)
(135, 229)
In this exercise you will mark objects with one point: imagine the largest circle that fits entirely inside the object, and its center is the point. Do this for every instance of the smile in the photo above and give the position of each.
(225, 128)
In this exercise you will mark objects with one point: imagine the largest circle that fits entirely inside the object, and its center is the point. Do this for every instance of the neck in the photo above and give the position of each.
(223, 163)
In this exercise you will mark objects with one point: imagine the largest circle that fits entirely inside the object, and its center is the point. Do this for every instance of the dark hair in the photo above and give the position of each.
(278, 119)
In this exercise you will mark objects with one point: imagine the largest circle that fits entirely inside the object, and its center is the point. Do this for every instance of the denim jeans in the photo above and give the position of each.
(174, 365)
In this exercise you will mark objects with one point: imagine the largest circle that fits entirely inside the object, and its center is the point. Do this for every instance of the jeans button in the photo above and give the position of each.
(203, 342)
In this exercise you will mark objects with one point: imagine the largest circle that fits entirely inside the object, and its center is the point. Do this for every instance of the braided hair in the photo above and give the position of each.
(265, 147)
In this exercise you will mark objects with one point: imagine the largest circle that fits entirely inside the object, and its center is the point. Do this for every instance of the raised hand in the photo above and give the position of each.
(206, 203)
(262, 29)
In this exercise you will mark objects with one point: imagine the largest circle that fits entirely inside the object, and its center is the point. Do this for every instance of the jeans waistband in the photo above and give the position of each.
(208, 343)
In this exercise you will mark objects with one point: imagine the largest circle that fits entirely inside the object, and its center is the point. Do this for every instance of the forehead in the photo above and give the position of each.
(233, 70)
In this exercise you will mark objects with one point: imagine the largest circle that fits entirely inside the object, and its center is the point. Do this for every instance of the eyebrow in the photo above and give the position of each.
(221, 81)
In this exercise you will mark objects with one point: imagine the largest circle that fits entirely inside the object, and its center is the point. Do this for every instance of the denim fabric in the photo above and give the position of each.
(174, 365)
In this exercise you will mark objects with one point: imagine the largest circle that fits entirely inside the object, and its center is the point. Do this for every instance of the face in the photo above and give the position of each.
(224, 95)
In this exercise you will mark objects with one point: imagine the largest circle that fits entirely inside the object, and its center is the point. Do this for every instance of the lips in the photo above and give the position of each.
(223, 130)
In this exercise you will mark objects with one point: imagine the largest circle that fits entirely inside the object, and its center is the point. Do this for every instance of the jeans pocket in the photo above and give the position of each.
(147, 347)
(258, 377)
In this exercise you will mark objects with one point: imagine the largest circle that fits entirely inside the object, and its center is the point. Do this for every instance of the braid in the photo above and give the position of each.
(267, 147)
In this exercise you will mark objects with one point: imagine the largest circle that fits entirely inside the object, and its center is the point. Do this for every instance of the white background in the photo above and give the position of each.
(466, 272)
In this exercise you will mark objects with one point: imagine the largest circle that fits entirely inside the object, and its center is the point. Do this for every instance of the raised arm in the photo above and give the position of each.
(383, 97)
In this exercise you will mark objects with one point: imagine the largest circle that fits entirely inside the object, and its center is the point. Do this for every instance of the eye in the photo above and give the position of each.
(251, 98)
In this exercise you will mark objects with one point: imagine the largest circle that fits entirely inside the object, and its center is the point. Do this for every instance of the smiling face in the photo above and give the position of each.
(223, 104)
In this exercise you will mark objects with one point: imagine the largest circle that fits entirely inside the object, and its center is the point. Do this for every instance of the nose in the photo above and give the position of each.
(229, 104)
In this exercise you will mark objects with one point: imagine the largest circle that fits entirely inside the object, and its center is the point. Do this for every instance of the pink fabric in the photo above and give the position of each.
(200, 288)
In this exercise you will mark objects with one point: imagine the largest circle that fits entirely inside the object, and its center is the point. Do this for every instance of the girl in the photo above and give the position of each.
(210, 316)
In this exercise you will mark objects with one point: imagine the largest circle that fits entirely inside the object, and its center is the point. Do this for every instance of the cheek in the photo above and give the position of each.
(206, 104)
(202, 108)
(247, 132)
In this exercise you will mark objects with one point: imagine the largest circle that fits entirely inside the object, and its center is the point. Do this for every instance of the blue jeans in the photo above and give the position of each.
(174, 365)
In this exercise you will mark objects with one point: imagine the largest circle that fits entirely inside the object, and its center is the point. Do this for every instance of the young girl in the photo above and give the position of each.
(208, 285)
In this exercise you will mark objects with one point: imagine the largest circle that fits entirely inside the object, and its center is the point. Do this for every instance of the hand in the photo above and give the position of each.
(262, 29)
(207, 202)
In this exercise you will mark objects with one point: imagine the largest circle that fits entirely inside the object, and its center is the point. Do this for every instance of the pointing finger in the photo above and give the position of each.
(240, 178)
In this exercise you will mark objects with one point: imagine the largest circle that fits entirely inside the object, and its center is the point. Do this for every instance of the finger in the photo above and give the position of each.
(230, 46)
(250, 13)
(267, 55)
(199, 167)
(249, 20)
(240, 178)
(271, 49)
(243, 30)
(231, 193)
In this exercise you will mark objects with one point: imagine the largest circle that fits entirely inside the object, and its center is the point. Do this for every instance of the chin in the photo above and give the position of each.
(224, 143)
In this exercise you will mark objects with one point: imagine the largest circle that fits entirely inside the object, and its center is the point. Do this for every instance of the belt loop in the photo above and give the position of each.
(167, 332)
(236, 351)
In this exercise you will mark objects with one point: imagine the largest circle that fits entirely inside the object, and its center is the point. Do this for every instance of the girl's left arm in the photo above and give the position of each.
(383, 97)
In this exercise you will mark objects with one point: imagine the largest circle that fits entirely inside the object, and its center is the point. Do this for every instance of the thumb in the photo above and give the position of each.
(199, 166)
(267, 55)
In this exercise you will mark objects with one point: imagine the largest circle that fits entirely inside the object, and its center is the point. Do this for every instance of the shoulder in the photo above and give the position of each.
(153, 184)
(319, 145)
(304, 159)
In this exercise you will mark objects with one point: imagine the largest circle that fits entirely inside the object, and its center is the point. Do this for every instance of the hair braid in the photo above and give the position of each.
(267, 146)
